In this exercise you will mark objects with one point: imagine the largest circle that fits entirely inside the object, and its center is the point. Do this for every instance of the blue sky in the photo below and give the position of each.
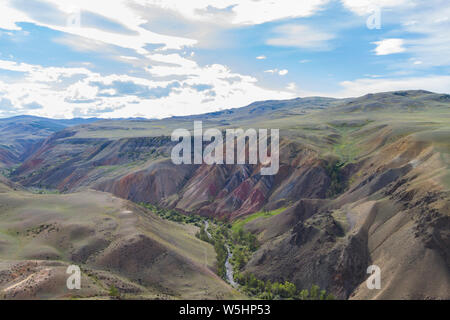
(148, 58)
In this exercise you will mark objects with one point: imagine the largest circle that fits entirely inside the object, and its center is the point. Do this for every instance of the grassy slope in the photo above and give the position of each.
(240, 223)
(57, 227)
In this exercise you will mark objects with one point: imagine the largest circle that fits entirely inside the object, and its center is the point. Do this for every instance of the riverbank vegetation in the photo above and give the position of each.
(173, 215)
(239, 224)
(241, 243)
(286, 290)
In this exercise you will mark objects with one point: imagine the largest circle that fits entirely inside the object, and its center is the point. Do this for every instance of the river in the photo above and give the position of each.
(229, 268)
(206, 229)
(228, 265)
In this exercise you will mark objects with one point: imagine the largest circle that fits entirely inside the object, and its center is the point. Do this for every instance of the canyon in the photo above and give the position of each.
(361, 181)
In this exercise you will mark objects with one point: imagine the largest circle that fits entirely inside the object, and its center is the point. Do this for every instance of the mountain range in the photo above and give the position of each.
(362, 181)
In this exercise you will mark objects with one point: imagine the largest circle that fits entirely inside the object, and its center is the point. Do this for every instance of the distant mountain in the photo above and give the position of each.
(268, 108)
(21, 135)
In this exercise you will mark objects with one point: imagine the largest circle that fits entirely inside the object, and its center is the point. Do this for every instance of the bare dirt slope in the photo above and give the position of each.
(112, 240)
(395, 214)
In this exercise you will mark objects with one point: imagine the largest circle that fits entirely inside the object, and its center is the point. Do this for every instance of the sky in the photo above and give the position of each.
(161, 58)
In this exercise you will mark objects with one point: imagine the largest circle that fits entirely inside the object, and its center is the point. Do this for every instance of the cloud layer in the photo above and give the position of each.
(156, 58)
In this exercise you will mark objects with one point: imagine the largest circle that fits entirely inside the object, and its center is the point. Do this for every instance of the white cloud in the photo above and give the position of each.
(291, 86)
(251, 12)
(364, 7)
(261, 57)
(128, 58)
(61, 95)
(9, 16)
(389, 46)
(196, 89)
(428, 21)
(282, 72)
(300, 36)
(376, 84)
(64, 92)
(435, 83)
(117, 11)
(431, 45)
(36, 73)
(243, 12)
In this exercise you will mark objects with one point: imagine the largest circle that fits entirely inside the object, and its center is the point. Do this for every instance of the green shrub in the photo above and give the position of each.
(114, 292)
(278, 290)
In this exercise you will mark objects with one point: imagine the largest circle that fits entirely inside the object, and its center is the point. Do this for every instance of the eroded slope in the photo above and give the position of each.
(115, 242)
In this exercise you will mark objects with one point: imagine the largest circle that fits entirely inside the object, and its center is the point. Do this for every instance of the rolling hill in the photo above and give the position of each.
(20, 136)
(116, 243)
(362, 181)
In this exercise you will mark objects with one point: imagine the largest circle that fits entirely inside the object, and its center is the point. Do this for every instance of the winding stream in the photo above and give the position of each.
(228, 265)
(206, 229)
(229, 268)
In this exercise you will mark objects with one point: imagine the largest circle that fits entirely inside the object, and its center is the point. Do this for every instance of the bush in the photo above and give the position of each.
(202, 235)
(278, 290)
(172, 215)
(114, 292)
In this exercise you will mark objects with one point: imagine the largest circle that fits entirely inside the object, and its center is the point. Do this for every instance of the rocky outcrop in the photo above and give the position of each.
(393, 216)
(69, 163)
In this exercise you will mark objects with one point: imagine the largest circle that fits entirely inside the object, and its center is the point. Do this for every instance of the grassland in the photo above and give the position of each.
(92, 229)
(240, 223)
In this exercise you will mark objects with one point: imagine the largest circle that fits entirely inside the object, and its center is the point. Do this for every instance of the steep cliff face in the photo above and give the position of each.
(138, 169)
(395, 214)
(67, 163)
(160, 180)
(11, 155)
